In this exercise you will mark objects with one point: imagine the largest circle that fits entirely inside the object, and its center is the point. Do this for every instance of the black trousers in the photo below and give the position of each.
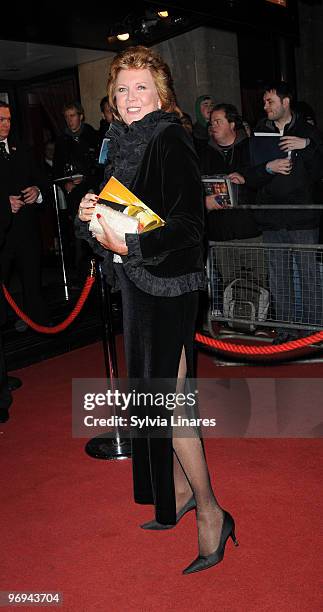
(5, 395)
(22, 249)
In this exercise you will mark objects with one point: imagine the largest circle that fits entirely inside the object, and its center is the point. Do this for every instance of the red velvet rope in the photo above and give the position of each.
(259, 350)
(61, 326)
(206, 340)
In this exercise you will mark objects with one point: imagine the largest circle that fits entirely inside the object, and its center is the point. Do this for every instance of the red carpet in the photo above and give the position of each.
(68, 522)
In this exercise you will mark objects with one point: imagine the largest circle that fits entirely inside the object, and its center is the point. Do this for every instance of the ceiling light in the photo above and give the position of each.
(124, 36)
(162, 14)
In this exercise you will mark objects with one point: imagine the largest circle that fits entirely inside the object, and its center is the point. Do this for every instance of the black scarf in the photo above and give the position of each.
(127, 145)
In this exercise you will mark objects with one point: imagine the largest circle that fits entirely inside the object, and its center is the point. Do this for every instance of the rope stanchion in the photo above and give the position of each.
(102, 447)
(64, 324)
(242, 349)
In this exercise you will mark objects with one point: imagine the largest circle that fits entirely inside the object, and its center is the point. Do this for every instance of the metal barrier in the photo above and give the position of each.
(253, 285)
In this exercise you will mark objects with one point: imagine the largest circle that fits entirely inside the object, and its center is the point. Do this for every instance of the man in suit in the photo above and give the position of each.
(5, 218)
(22, 183)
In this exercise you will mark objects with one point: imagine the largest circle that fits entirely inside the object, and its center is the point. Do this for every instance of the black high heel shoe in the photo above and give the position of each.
(190, 505)
(204, 562)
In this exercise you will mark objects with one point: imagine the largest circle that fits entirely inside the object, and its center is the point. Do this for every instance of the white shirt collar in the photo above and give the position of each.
(6, 144)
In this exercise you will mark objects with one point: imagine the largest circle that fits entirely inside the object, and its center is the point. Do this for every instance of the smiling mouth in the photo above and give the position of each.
(133, 109)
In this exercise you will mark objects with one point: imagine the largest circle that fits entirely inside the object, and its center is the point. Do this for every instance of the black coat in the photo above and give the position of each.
(161, 182)
(78, 156)
(229, 224)
(5, 219)
(16, 173)
(23, 234)
(176, 248)
(81, 153)
(293, 189)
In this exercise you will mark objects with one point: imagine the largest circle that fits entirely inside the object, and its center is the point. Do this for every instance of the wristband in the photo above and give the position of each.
(269, 170)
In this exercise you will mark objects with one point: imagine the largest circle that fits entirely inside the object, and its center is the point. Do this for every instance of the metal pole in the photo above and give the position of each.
(101, 447)
(60, 242)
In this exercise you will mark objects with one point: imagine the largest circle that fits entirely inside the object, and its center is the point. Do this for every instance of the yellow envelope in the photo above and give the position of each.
(116, 192)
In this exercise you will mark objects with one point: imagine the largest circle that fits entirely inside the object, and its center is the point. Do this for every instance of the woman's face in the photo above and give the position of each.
(136, 94)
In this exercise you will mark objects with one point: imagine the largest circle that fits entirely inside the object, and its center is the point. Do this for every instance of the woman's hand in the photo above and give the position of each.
(109, 239)
(86, 208)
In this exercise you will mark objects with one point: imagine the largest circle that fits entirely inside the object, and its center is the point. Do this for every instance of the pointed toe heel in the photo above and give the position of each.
(155, 526)
(204, 562)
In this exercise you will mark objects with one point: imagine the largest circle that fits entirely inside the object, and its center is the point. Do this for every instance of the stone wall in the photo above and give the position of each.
(309, 58)
(202, 61)
(93, 78)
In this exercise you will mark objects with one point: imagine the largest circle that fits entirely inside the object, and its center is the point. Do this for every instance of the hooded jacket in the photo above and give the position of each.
(200, 128)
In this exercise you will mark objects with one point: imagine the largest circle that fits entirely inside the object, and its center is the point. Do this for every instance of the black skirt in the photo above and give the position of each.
(155, 331)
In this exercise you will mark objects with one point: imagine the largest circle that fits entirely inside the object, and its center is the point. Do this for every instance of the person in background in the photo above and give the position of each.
(107, 118)
(187, 123)
(203, 107)
(160, 273)
(247, 128)
(76, 155)
(288, 181)
(49, 153)
(76, 152)
(48, 220)
(5, 219)
(306, 111)
(25, 184)
(227, 154)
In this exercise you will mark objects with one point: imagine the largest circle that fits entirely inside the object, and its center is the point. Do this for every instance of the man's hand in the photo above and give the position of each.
(236, 178)
(69, 186)
(292, 143)
(110, 240)
(211, 203)
(30, 194)
(16, 203)
(86, 208)
(280, 166)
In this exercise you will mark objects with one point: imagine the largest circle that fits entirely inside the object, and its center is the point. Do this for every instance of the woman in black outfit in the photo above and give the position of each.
(160, 273)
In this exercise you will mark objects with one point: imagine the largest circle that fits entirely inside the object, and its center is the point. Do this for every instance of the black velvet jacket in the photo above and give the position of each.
(167, 260)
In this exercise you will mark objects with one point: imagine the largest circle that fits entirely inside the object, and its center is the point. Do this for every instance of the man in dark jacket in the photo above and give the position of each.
(286, 182)
(76, 154)
(227, 153)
